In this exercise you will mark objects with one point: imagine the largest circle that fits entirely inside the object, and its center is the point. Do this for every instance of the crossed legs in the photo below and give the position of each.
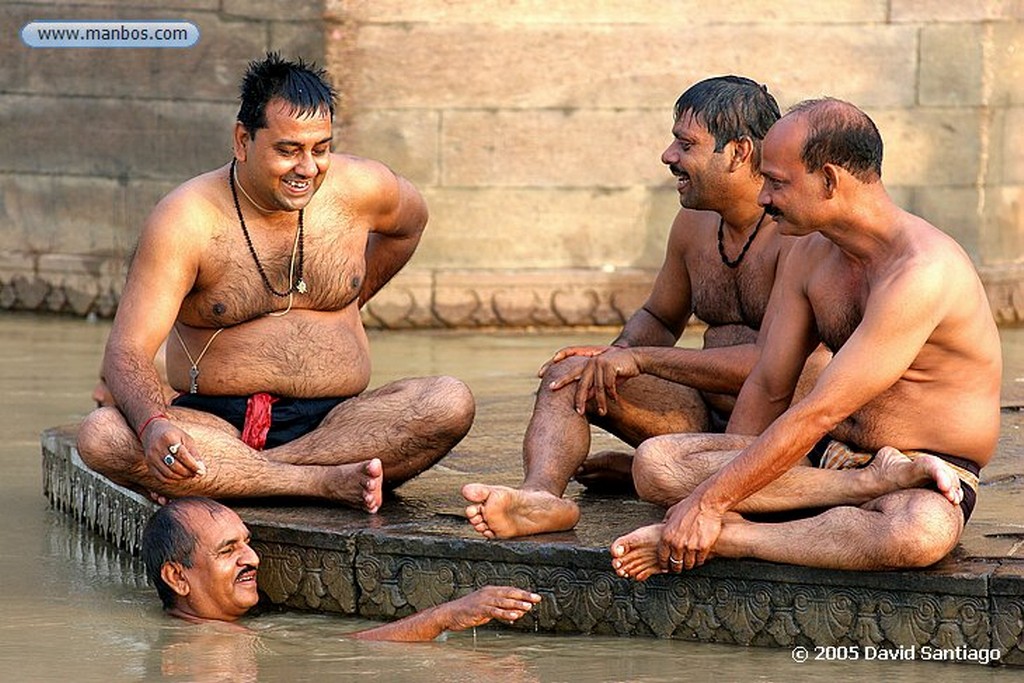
(878, 517)
(375, 440)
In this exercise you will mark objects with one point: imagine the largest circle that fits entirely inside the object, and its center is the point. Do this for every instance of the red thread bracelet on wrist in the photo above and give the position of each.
(158, 416)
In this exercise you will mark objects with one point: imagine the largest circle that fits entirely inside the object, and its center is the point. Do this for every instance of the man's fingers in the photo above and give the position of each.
(599, 391)
(564, 380)
(585, 384)
(193, 465)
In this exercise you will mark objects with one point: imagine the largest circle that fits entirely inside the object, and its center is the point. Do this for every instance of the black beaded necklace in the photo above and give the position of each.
(721, 241)
(298, 285)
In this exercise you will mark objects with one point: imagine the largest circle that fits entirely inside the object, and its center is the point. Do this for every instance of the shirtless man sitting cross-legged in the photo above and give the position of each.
(254, 273)
(722, 258)
(914, 383)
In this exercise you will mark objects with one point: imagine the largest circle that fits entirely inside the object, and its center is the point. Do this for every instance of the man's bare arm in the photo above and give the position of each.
(162, 272)
(476, 609)
(392, 243)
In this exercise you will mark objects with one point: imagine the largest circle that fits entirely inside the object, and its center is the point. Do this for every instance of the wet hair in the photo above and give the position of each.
(841, 134)
(168, 538)
(731, 107)
(303, 86)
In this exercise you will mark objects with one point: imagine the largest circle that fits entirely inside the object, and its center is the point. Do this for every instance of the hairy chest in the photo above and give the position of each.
(732, 296)
(838, 299)
(230, 287)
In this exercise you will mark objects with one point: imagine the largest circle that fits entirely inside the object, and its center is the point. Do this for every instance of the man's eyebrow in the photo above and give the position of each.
(295, 143)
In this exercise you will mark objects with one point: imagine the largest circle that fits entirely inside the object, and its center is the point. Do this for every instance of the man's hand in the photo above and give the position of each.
(586, 351)
(599, 377)
(689, 535)
(170, 453)
(490, 602)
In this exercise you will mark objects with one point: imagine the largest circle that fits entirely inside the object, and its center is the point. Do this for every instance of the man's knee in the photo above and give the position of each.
(97, 435)
(655, 471)
(923, 531)
(458, 406)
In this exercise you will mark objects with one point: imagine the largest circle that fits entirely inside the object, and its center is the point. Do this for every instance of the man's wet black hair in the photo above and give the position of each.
(731, 107)
(839, 133)
(168, 538)
(303, 86)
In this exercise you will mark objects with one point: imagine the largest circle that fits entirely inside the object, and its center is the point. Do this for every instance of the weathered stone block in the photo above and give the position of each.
(938, 147)
(620, 12)
(940, 10)
(48, 213)
(545, 148)
(1008, 144)
(554, 67)
(954, 210)
(297, 10)
(407, 141)
(952, 65)
(296, 39)
(527, 228)
(127, 138)
(1002, 238)
(209, 70)
(1007, 62)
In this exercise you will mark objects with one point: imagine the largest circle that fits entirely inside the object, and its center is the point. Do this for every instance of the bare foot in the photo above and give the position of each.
(895, 471)
(503, 512)
(359, 485)
(635, 555)
(607, 472)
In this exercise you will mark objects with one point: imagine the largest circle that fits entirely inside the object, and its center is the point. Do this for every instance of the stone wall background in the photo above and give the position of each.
(533, 128)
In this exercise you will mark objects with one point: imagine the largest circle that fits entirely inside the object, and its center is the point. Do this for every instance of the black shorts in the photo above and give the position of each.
(290, 417)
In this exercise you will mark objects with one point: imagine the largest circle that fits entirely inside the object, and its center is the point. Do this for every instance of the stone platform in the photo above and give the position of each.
(419, 551)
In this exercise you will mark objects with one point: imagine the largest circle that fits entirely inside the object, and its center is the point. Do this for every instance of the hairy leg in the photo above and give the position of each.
(910, 528)
(669, 468)
(233, 470)
(556, 444)
(409, 425)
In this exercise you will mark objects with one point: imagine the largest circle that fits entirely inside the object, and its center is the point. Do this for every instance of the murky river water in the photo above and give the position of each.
(74, 609)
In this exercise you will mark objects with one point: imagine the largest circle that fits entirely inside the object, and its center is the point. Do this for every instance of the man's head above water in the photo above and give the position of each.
(197, 554)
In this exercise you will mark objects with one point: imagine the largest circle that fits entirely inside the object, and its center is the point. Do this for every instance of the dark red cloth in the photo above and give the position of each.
(257, 420)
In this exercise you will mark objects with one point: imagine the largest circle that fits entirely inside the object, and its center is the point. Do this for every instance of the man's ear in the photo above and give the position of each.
(742, 152)
(240, 141)
(173, 574)
(830, 173)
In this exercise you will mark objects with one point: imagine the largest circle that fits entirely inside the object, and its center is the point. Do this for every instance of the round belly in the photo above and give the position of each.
(304, 354)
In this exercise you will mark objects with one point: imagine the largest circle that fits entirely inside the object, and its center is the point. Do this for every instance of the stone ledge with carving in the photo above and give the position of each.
(331, 560)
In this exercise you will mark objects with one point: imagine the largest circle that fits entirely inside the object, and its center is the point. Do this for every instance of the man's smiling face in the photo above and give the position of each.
(221, 583)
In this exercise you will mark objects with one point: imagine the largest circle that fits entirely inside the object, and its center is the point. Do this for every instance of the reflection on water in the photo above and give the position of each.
(75, 609)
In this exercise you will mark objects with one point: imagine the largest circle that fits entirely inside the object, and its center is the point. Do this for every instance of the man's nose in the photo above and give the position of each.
(669, 157)
(307, 165)
(250, 556)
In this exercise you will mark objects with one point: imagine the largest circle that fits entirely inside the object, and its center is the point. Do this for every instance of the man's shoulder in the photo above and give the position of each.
(198, 194)
(348, 169)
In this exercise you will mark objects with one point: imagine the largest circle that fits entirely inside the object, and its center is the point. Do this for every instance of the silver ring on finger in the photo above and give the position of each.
(675, 562)
(173, 448)
(169, 460)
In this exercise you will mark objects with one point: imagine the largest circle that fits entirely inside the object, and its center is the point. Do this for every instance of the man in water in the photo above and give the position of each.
(198, 556)
(721, 260)
(910, 400)
(254, 273)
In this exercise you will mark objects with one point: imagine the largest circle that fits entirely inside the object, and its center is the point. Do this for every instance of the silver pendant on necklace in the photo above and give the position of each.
(300, 286)
(193, 374)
